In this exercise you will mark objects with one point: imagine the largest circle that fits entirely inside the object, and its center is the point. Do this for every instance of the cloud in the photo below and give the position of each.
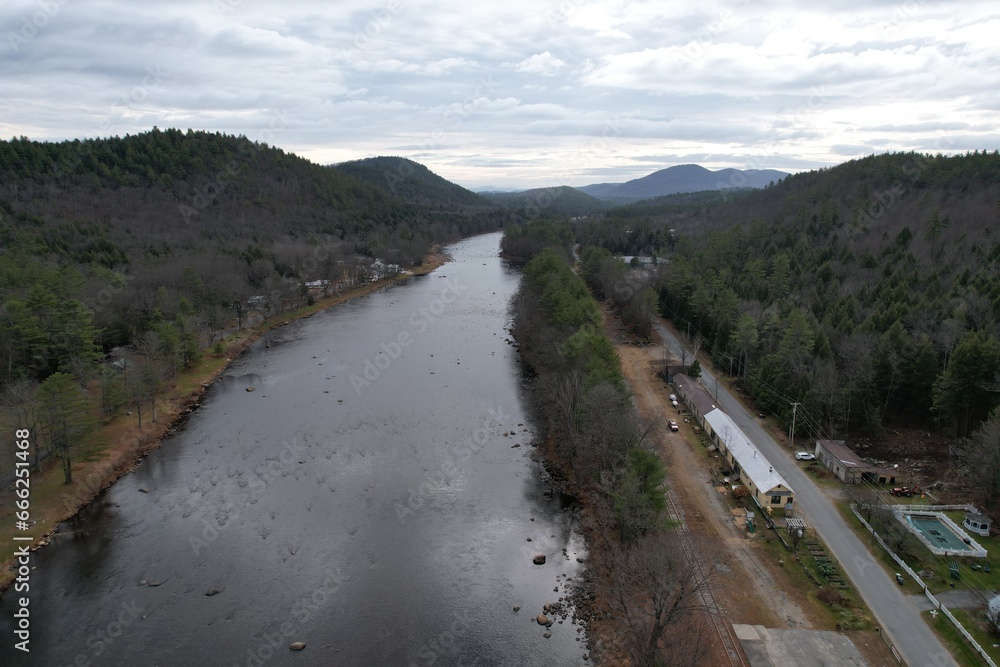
(545, 64)
(517, 93)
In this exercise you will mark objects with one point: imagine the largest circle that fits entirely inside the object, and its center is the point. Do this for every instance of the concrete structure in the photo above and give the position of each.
(977, 523)
(767, 647)
(765, 483)
(848, 466)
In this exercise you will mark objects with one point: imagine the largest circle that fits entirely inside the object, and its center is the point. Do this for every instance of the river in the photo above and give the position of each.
(373, 497)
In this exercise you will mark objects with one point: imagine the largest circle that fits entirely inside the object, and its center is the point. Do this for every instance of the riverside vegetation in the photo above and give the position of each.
(640, 577)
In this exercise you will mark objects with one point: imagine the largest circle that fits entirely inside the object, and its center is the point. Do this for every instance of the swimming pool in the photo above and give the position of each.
(941, 535)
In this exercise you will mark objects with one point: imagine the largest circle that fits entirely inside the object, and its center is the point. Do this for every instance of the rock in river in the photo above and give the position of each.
(297, 646)
(542, 619)
(539, 559)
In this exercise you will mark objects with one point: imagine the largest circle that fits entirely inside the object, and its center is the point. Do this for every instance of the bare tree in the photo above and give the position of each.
(981, 456)
(653, 586)
(20, 400)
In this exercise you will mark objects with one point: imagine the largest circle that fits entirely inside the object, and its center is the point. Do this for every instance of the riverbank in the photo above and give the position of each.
(120, 444)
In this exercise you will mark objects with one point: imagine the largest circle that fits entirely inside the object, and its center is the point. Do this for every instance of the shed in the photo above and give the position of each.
(848, 466)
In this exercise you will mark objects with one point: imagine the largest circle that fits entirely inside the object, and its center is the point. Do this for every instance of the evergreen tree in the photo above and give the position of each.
(65, 413)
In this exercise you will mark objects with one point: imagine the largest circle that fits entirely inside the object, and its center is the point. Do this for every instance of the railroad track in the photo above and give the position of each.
(722, 627)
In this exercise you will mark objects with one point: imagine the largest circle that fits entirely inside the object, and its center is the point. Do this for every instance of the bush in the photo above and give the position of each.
(826, 569)
(830, 597)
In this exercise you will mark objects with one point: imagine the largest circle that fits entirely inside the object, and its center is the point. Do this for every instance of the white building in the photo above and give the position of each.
(765, 483)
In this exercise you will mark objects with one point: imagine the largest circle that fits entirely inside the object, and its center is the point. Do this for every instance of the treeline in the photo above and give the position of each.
(645, 581)
(522, 242)
(869, 293)
(627, 291)
(582, 394)
(122, 259)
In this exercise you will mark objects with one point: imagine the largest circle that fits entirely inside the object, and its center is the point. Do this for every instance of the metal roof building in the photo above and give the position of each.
(765, 483)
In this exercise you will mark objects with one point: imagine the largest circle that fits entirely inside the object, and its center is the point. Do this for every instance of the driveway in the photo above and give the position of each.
(893, 610)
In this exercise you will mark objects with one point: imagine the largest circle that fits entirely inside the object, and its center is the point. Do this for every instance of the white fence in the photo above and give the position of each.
(934, 601)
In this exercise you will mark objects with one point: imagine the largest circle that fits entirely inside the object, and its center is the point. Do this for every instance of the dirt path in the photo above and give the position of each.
(743, 587)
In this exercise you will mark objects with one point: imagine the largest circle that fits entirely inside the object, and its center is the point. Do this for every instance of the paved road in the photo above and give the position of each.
(893, 610)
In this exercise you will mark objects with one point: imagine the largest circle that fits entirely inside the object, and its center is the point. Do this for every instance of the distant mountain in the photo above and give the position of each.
(682, 178)
(412, 182)
(486, 189)
(561, 200)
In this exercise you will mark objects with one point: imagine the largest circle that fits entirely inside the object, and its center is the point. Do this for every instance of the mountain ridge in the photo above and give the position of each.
(679, 179)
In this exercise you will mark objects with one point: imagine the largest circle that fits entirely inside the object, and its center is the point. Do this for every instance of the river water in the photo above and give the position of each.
(366, 498)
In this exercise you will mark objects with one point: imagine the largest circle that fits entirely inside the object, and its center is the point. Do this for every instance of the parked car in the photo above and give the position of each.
(673, 397)
(805, 456)
(673, 425)
(673, 403)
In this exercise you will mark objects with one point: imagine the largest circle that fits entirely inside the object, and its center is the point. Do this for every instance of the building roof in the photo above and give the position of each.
(751, 461)
(843, 453)
(694, 394)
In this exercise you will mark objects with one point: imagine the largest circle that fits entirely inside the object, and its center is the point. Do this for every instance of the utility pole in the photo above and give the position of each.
(795, 407)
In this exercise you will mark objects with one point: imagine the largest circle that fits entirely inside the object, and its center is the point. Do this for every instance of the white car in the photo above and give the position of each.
(673, 425)
(805, 456)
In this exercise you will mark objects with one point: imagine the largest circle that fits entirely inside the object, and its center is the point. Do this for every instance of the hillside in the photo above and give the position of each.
(412, 182)
(182, 234)
(682, 178)
(868, 292)
(558, 201)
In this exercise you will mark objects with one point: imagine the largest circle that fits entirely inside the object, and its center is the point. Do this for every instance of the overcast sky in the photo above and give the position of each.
(516, 93)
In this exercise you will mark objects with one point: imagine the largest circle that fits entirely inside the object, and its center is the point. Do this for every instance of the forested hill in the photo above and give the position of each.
(178, 233)
(413, 182)
(869, 292)
(555, 201)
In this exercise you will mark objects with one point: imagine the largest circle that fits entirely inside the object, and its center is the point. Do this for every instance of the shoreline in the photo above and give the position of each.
(125, 445)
